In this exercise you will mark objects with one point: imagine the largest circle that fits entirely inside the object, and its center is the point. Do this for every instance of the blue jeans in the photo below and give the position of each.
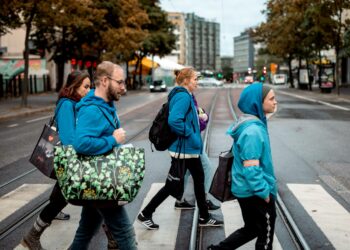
(116, 220)
(208, 172)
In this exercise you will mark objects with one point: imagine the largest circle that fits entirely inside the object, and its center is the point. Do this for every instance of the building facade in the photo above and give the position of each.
(202, 43)
(178, 20)
(244, 53)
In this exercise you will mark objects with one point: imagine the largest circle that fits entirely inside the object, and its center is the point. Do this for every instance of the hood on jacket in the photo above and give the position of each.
(177, 89)
(251, 102)
(91, 99)
(244, 121)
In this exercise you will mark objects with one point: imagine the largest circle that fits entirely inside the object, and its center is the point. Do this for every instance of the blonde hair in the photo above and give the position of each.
(105, 68)
(182, 75)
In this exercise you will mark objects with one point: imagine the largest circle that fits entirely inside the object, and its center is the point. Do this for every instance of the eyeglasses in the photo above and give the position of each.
(120, 82)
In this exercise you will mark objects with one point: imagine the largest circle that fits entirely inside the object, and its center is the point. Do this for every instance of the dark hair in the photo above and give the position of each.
(74, 81)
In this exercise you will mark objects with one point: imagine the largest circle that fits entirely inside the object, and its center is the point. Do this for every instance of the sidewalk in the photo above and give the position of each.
(11, 107)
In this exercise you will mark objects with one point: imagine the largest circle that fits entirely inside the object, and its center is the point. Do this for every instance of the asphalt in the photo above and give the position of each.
(11, 107)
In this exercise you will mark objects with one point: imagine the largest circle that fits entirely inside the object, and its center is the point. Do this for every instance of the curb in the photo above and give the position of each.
(25, 113)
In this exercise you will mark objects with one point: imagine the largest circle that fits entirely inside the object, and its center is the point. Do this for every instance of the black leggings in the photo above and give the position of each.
(194, 165)
(259, 222)
(57, 203)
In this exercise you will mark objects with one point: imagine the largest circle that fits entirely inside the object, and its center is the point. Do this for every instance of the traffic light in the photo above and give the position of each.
(264, 70)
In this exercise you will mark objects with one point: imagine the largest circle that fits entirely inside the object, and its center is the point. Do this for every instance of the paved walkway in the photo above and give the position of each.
(11, 107)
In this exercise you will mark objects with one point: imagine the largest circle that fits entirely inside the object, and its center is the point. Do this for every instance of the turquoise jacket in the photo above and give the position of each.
(251, 142)
(65, 120)
(96, 122)
(184, 123)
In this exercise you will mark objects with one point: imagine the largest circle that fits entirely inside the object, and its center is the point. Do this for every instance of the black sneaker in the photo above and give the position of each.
(183, 205)
(147, 222)
(212, 206)
(62, 216)
(210, 222)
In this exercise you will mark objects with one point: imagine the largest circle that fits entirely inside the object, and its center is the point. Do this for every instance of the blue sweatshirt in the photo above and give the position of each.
(251, 142)
(96, 122)
(65, 120)
(187, 128)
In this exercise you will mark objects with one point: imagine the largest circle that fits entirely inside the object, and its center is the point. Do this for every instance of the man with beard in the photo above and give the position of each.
(97, 132)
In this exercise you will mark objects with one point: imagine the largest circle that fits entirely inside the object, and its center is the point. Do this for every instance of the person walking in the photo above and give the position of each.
(203, 118)
(183, 120)
(253, 178)
(77, 86)
(96, 135)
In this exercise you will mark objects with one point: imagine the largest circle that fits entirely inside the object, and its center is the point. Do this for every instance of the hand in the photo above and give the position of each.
(203, 117)
(267, 199)
(119, 135)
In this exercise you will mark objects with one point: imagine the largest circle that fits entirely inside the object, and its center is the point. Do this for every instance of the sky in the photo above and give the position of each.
(234, 16)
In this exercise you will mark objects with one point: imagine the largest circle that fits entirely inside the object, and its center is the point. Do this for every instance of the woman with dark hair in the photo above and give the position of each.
(77, 86)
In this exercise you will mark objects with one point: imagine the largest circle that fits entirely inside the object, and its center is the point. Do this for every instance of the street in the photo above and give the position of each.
(310, 148)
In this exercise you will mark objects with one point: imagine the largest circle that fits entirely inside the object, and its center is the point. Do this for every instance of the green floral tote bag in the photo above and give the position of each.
(103, 180)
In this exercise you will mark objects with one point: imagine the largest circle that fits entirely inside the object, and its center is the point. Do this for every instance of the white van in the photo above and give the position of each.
(279, 79)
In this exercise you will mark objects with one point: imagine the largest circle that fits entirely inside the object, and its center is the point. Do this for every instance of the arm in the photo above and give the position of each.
(178, 108)
(90, 138)
(65, 118)
(251, 146)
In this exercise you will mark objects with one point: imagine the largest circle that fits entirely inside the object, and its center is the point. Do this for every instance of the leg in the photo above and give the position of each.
(162, 194)
(195, 167)
(122, 230)
(57, 203)
(90, 221)
(266, 226)
(246, 233)
(208, 171)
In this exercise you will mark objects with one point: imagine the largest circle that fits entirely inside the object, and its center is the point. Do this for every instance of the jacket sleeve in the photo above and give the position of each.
(89, 136)
(65, 118)
(250, 145)
(178, 108)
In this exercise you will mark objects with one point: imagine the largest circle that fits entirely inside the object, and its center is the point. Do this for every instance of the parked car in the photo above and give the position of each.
(279, 79)
(210, 81)
(248, 79)
(158, 86)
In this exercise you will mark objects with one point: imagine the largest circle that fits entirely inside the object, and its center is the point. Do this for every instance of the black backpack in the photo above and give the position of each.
(160, 133)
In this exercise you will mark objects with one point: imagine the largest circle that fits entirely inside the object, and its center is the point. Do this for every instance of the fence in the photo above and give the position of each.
(13, 86)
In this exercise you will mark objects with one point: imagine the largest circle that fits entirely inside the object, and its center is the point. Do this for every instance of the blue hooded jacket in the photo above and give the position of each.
(251, 142)
(65, 120)
(96, 122)
(189, 127)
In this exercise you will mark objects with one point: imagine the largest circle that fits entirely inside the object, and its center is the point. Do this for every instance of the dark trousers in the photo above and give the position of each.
(259, 221)
(56, 204)
(194, 165)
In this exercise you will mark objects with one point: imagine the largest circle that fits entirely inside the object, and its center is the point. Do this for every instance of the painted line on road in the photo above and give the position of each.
(328, 214)
(19, 197)
(12, 125)
(39, 119)
(168, 219)
(316, 101)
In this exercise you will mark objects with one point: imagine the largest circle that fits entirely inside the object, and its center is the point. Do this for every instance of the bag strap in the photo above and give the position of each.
(114, 125)
(53, 119)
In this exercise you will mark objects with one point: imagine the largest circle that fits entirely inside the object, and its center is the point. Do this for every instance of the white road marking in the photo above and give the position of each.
(39, 119)
(233, 221)
(316, 101)
(168, 219)
(12, 125)
(19, 197)
(328, 214)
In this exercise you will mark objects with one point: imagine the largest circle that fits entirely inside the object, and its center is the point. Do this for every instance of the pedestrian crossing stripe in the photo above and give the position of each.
(168, 219)
(328, 214)
(19, 197)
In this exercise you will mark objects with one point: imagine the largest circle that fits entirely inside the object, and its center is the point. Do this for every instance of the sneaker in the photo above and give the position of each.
(212, 206)
(183, 205)
(147, 222)
(62, 216)
(210, 222)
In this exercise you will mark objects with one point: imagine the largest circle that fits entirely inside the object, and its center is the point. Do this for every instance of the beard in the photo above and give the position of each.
(112, 93)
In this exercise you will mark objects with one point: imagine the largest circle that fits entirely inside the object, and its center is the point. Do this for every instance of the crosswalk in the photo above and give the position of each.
(330, 216)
